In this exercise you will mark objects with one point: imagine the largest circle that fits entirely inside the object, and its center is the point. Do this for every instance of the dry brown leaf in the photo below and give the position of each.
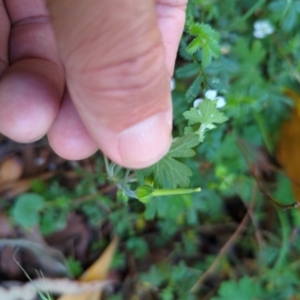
(288, 148)
(97, 271)
(11, 169)
(14, 188)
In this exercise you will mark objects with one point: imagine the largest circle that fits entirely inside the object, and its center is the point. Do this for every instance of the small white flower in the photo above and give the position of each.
(262, 28)
(220, 102)
(197, 102)
(172, 84)
(211, 95)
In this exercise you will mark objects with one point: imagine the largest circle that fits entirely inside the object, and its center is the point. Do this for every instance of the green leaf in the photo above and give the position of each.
(167, 293)
(290, 19)
(194, 46)
(27, 208)
(194, 89)
(206, 39)
(208, 52)
(181, 147)
(193, 116)
(288, 11)
(209, 113)
(196, 29)
(53, 220)
(138, 246)
(187, 70)
(244, 289)
(169, 172)
(74, 266)
(182, 51)
(205, 113)
(278, 5)
(155, 276)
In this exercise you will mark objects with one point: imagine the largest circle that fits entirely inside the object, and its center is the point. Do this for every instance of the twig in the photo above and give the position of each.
(242, 226)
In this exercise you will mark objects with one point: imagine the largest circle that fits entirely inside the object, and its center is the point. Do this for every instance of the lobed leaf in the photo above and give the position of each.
(169, 172)
(187, 70)
(172, 172)
(181, 147)
(205, 114)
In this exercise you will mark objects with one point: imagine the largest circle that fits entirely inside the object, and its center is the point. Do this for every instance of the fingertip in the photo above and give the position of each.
(29, 100)
(68, 136)
(71, 147)
(145, 143)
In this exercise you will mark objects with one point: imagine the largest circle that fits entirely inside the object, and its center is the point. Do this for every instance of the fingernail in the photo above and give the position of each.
(145, 143)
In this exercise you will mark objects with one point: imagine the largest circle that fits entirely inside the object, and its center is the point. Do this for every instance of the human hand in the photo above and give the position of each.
(116, 57)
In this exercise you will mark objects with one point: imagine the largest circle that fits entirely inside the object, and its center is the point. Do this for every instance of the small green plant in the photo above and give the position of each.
(244, 289)
(74, 267)
(27, 208)
(163, 178)
(173, 281)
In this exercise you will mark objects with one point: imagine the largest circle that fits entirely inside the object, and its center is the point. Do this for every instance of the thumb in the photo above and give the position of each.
(115, 71)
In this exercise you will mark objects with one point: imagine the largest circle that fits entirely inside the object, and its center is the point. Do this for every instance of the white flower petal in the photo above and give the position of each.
(172, 84)
(257, 25)
(221, 102)
(210, 94)
(197, 102)
(269, 30)
(259, 34)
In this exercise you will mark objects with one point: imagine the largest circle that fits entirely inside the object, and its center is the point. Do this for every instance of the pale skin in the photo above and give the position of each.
(94, 75)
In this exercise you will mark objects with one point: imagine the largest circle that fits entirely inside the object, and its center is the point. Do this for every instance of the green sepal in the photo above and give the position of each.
(144, 193)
